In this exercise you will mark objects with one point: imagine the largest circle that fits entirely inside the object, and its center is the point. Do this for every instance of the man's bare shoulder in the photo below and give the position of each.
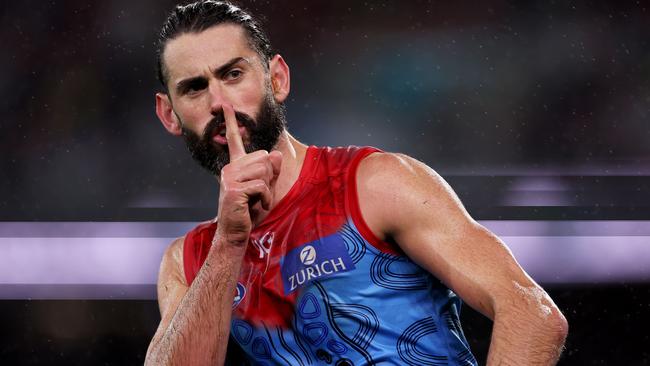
(394, 173)
(397, 191)
(171, 266)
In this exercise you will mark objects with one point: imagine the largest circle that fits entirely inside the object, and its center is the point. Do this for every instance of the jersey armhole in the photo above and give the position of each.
(354, 210)
(187, 257)
(195, 250)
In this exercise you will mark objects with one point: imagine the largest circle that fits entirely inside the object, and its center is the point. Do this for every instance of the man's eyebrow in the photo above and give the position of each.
(182, 85)
(223, 68)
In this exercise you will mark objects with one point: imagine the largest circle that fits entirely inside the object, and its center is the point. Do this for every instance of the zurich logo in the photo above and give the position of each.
(317, 260)
(239, 296)
(308, 255)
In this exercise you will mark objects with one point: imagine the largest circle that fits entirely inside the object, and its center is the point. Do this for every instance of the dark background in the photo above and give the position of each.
(484, 92)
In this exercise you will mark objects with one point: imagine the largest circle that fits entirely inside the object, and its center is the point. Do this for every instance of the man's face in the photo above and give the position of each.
(215, 67)
(263, 133)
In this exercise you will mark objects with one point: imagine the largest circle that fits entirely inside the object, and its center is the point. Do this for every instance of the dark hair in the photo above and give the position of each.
(201, 15)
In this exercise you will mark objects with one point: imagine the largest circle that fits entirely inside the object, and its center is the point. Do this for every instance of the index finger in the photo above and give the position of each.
(235, 143)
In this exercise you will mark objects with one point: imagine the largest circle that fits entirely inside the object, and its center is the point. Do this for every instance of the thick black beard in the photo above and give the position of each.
(263, 135)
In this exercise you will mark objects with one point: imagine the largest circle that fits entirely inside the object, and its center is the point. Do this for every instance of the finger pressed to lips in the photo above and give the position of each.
(221, 138)
(233, 135)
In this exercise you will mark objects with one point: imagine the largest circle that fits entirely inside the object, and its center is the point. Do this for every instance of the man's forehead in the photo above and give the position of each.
(191, 54)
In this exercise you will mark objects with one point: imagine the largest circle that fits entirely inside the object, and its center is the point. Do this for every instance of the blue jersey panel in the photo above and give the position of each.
(359, 306)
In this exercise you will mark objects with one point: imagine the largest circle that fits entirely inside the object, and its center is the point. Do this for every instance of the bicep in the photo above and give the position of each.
(420, 211)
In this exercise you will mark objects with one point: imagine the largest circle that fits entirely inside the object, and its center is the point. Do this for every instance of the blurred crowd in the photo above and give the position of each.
(463, 86)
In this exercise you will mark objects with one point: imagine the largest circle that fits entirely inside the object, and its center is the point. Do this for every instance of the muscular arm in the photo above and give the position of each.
(406, 200)
(195, 321)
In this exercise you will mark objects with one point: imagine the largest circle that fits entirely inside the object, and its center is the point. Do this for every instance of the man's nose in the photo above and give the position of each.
(217, 97)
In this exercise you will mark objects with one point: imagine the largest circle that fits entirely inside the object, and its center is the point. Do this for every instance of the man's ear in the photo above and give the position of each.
(280, 78)
(166, 114)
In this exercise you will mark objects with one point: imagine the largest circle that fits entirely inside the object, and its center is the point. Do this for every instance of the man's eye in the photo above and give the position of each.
(233, 74)
(195, 86)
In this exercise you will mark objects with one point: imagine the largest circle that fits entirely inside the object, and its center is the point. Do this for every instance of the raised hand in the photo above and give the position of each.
(246, 184)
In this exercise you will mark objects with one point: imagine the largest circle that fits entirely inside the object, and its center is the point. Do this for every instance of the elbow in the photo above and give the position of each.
(551, 324)
(553, 332)
(546, 323)
(536, 331)
(559, 326)
(550, 321)
(536, 316)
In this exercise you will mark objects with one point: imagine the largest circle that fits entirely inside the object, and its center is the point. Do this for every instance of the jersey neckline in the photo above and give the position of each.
(306, 171)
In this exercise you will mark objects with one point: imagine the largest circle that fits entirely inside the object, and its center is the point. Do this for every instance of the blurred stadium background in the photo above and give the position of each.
(535, 112)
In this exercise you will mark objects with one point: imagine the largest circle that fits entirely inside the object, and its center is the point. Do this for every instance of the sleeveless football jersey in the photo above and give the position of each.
(318, 288)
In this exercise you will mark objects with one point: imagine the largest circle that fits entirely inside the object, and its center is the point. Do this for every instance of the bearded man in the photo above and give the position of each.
(318, 255)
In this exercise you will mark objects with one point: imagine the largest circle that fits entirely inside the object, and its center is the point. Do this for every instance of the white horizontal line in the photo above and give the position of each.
(66, 229)
(119, 266)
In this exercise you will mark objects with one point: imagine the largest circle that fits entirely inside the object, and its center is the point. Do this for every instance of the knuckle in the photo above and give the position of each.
(226, 170)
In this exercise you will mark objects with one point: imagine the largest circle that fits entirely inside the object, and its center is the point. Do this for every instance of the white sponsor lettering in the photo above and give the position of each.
(300, 277)
(340, 262)
(292, 279)
(326, 271)
(316, 271)
(335, 265)
(310, 273)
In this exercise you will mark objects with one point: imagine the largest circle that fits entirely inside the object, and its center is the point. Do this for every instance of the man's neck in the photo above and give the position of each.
(293, 156)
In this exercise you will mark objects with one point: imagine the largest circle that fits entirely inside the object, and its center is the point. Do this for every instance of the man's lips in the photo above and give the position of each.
(219, 135)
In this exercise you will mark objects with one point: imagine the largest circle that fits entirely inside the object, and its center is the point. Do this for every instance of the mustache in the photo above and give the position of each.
(219, 120)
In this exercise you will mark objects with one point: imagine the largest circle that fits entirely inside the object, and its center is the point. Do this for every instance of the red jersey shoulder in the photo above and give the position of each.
(336, 161)
(343, 156)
